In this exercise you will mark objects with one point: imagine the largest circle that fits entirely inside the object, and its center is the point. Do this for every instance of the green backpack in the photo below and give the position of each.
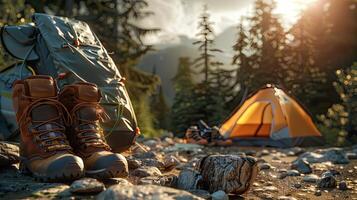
(69, 51)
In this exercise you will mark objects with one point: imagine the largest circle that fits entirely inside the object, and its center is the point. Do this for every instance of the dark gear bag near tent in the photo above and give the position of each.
(270, 117)
(69, 51)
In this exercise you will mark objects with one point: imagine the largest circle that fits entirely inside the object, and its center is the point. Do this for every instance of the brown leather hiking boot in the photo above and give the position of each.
(41, 118)
(85, 134)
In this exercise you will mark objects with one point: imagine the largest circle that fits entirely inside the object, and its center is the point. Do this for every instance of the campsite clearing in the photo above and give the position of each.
(275, 180)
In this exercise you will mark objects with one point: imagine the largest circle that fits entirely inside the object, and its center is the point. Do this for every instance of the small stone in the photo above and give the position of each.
(311, 178)
(293, 172)
(86, 185)
(342, 185)
(317, 193)
(117, 181)
(145, 155)
(133, 163)
(302, 166)
(145, 171)
(270, 188)
(327, 180)
(351, 156)
(170, 162)
(219, 195)
(311, 157)
(151, 143)
(169, 181)
(286, 198)
(264, 166)
(297, 185)
(264, 152)
(250, 152)
(152, 162)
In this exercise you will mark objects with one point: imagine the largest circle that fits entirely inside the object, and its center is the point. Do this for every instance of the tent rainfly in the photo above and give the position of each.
(270, 117)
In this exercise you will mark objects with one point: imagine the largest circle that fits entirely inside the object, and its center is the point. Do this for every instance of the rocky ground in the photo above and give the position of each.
(157, 167)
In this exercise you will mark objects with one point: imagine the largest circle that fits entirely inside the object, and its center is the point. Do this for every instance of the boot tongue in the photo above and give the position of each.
(88, 113)
(44, 112)
(41, 87)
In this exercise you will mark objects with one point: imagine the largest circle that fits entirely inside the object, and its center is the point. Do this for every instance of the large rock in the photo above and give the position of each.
(334, 155)
(302, 166)
(144, 192)
(9, 154)
(230, 173)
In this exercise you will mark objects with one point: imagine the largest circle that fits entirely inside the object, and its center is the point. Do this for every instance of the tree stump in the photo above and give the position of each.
(230, 173)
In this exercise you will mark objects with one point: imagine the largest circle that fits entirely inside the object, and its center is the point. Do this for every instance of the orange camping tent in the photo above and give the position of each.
(270, 117)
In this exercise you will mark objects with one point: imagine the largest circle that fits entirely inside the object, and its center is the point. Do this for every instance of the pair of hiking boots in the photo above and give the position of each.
(61, 139)
(202, 134)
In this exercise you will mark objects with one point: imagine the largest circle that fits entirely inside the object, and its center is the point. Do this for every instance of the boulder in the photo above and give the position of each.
(230, 173)
(335, 155)
(143, 192)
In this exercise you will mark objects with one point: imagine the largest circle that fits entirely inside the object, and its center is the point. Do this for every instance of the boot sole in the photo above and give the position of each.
(114, 171)
(71, 173)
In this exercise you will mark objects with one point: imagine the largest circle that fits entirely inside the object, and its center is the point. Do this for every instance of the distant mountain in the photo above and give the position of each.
(165, 59)
(166, 63)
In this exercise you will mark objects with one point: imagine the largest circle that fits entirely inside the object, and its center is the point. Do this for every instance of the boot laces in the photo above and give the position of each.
(87, 131)
(49, 133)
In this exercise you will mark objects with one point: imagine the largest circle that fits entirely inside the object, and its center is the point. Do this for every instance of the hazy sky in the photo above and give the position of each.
(180, 17)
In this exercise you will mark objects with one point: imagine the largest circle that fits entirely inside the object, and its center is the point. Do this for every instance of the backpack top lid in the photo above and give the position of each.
(19, 41)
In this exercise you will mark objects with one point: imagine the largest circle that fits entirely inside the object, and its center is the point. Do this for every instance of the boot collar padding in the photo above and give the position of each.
(40, 86)
(88, 92)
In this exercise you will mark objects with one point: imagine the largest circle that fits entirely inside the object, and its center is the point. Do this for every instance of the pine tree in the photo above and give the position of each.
(304, 79)
(205, 46)
(244, 77)
(267, 41)
(159, 107)
(184, 106)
